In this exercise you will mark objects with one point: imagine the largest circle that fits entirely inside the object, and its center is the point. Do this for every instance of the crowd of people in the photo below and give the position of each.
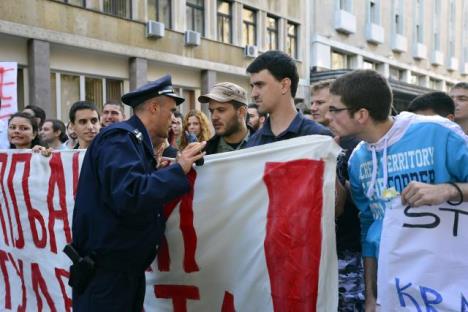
(355, 109)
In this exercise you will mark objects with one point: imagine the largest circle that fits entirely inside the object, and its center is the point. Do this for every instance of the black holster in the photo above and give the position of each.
(82, 270)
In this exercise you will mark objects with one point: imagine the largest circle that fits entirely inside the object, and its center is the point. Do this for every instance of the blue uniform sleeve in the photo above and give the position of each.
(128, 187)
(457, 156)
(362, 202)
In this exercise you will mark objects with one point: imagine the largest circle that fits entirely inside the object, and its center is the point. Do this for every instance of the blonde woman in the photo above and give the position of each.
(197, 123)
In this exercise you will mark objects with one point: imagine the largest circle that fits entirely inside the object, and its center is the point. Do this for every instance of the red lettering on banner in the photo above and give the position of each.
(3, 70)
(33, 214)
(179, 295)
(3, 161)
(293, 234)
(76, 172)
(20, 272)
(228, 302)
(57, 178)
(39, 283)
(60, 274)
(186, 226)
(6, 279)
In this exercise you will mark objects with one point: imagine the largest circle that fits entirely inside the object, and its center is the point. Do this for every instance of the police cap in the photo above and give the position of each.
(161, 86)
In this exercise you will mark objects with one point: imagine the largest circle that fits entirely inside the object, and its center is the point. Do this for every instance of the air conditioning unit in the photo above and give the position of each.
(192, 38)
(251, 51)
(155, 29)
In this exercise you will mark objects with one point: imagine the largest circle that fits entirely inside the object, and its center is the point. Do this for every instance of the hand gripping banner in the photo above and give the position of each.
(255, 234)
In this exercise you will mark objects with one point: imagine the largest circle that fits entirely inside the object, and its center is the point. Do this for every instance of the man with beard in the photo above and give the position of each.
(228, 106)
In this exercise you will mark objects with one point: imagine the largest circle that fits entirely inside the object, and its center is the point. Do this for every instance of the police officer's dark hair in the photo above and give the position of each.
(255, 106)
(279, 64)
(80, 105)
(439, 102)
(116, 103)
(364, 89)
(58, 125)
(38, 112)
(34, 125)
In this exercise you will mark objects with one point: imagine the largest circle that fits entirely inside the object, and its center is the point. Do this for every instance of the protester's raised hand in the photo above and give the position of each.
(419, 194)
(43, 150)
(190, 154)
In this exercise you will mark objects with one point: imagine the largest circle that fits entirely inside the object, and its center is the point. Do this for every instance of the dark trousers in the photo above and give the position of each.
(112, 291)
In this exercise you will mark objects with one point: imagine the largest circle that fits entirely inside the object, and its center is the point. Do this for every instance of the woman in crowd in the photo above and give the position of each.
(196, 122)
(22, 131)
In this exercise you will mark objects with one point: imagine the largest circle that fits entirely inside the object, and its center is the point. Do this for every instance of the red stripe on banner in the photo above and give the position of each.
(3, 162)
(34, 215)
(76, 172)
(293, 234)
(39, 283)
(60, 274)
(179, 295)
(228, 303)
(6, 279)
(164, 260)
(57, 179)
(20, 272)
(186, 226)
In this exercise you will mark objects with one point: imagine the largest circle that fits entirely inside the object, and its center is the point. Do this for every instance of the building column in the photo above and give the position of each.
(208, 80)
(384, 69)
(320, 56)
(357, 61)
(138, 68)
(39, 75)
(236, 23)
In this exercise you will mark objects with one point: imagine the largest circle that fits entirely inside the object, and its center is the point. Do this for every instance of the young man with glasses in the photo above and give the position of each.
(387, 160)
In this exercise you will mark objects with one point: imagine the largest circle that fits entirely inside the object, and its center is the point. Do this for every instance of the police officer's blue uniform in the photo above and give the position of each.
(118, 218)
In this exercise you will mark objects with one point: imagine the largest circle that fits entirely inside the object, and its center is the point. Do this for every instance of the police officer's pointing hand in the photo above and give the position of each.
(190, 154)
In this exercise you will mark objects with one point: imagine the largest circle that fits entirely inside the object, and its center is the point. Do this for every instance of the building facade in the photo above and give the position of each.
(69, 50)
(417, 42)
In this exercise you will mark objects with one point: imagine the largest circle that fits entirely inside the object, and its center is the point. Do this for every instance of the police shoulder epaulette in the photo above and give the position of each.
(137, 133)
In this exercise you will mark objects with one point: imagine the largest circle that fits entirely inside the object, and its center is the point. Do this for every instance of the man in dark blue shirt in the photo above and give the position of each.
(118, 220)
(274, 80)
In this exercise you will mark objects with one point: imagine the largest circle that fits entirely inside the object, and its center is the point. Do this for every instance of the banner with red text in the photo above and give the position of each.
(257, 232)
(8, 98)
(422, 260)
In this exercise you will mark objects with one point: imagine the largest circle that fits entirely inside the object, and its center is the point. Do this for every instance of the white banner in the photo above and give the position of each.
(8, 97)
(423, 264)
(251, 237)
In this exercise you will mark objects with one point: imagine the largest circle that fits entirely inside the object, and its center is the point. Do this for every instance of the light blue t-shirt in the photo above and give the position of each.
(417, 148)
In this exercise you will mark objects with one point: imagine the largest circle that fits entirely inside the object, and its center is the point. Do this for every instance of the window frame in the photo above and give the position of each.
(193, 8)
(294, 36)
(225, 17)
(270, 30)
(246, 25)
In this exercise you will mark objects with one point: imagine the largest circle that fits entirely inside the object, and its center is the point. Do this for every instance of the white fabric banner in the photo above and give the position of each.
(422, 260)
(251, 237)
(8, 97)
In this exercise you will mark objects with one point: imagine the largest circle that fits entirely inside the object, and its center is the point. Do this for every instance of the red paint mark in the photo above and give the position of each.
(186, 226)
(57, 179)
(228, 303)
(76, 172)
(60, 274)
(6, 279)
(3, 83)
(293, 235)
(20, 272)
(179, 295)
(39, 284)
(3, 162)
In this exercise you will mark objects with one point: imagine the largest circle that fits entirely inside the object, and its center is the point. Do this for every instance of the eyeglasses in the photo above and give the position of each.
(333, 110)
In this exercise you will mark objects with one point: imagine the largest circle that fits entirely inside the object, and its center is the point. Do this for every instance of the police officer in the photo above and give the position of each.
(117, 219)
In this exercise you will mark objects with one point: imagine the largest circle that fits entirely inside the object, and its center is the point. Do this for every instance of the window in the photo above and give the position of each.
(451, 29)
(396, 73)
(435, 84)
(224, 21)
(69, 93)
(20, 89)
(93, 91)
(114, 90)
(339, 60)
(249, 27)
(345, 5)
(398, 16)
(121, 8)
(374, 16)
(436, 26)
(366, 64)
(419, 18)
(291, 44)
(272, 32)
(195, 11)
(160, 10)
(417, 79)
(74, 2)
